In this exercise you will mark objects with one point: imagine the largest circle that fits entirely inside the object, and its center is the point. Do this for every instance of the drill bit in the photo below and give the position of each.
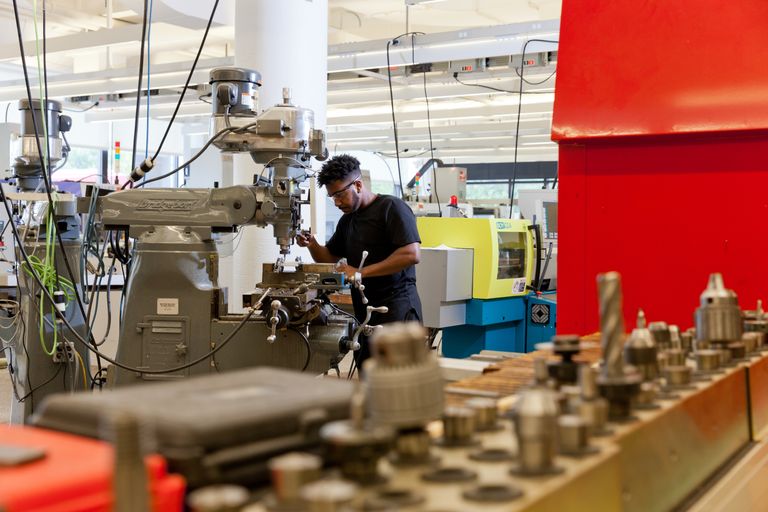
(611, 323)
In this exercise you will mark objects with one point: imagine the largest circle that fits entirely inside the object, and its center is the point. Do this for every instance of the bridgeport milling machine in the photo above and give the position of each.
(175, 320)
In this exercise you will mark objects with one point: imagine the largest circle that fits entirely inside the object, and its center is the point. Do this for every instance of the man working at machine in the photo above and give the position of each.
(380, 224)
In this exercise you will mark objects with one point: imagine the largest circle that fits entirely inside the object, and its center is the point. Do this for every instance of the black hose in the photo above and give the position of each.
(186, 84)
(546, 261)
(536, 228)
(134, 149)
(309, 347)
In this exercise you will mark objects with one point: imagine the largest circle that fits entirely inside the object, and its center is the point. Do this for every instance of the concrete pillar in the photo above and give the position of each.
(287, 42)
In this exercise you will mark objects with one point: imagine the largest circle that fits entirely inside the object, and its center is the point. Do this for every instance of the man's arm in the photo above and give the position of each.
(401, 259)
(320, 253)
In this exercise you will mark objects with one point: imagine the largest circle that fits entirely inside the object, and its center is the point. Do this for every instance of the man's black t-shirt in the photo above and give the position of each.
(382, 227)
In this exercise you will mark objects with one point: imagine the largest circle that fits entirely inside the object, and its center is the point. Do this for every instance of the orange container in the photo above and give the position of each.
(74, 475)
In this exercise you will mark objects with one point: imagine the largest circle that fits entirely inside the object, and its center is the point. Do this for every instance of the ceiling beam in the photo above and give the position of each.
(458, 130)
(345, 118)
(450, 89)
(471, 43)
(80, 41)
(387, 144)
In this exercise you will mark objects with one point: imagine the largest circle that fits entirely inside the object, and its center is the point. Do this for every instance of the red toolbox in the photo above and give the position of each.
(47, 471)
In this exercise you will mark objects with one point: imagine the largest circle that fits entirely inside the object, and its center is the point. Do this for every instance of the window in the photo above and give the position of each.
(383, 187)
(511, 255)
(488, 190)
(82, 164)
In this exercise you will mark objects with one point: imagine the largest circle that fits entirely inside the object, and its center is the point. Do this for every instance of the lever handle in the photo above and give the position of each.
(273, 320)
(361, 288)
(359, 279)
(354, 344)
(362, 261)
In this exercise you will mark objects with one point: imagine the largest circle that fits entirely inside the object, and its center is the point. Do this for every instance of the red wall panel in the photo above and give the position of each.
(661, 113)
(665, 214)
(639, 67)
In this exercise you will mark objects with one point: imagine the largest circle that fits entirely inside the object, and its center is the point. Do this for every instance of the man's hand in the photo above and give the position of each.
(349, 272)
(305, 239)
(320, 253)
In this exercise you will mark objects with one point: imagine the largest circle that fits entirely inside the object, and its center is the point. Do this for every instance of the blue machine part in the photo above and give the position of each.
(514, 324)
(541, 319)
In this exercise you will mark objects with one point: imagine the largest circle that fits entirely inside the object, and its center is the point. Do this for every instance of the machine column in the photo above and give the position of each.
(287, 42)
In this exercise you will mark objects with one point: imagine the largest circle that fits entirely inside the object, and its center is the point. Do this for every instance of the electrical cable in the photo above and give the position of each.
(93, 305)
(82, 365)
(389, 169)
(24, 347)
(406, 150)
(109, 300)
(67, 148)
(45, 176)
(535, 83)
(353, 317)
(507, 91)
(149, 88)
(138, 87)
(394, 123)
(87, 345)
(194, 157)
(42, 77)
(42, 384)
(394, 42)
(306, 343)
(341, 311)
(186, 84)
(80, 339)
(65, 376)
(51, 227)
(13, 356)
(11, 371)
(519, 113)
(429, 130)
(86, 109)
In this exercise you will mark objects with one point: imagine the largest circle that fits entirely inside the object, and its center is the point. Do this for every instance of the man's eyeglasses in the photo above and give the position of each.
(346, 187)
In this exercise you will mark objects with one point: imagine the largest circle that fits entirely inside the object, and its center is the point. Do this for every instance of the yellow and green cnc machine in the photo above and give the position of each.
(498, 313)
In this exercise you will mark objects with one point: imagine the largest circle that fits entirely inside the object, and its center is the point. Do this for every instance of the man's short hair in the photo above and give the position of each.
(338, 168)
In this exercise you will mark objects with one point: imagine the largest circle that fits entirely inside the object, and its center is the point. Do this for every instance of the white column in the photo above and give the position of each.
(287, 42)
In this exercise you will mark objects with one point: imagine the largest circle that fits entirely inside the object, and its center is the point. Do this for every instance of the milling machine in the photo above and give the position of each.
(175, 314)
(42, 358)
(174, 321)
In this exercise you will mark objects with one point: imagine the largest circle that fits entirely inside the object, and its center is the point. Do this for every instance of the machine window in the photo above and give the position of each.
(511, 255)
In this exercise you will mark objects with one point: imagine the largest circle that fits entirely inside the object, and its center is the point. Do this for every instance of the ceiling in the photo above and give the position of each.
(468, 123)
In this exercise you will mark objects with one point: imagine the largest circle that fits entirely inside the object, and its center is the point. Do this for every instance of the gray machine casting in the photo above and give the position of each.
(36, 372)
